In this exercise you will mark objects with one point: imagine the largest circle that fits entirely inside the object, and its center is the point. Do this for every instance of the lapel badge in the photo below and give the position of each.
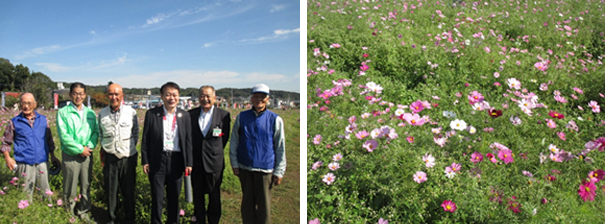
(158, 114)
(179, 115)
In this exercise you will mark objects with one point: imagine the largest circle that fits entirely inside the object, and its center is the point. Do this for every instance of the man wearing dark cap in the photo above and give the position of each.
(258, 156)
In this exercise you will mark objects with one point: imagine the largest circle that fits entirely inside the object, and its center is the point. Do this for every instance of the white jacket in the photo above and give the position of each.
(119, 139)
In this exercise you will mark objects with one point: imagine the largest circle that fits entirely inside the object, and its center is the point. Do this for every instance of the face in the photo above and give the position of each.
(259, 100)
(170, 97)
(28, 104)
(115, 96)
(77, 96)
(207, 98)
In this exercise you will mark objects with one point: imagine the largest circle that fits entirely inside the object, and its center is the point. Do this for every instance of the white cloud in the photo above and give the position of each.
(207, 45)
(93, 32)
(282, 32)
(277, 8)
(38, 51)
(156, 19)
(54, 67)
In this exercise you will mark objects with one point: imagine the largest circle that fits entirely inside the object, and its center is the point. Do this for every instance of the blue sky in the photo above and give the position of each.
(147, 43)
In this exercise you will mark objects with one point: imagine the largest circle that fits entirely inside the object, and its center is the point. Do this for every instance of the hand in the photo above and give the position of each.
(188, 170)
(10, 162)
(276, 180)
(87, 152)
(236, 172)
(146, 168)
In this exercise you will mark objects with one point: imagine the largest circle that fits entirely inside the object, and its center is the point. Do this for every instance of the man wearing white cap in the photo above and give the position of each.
(258, 155)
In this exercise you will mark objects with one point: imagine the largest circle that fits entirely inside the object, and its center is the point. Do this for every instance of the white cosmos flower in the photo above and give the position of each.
(458, 125)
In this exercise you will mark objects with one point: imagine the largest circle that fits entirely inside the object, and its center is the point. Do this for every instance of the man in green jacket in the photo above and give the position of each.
(78, 132)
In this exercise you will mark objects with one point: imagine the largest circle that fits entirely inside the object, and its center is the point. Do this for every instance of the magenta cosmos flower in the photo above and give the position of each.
(596, 175)
(514, 205)
(362, 134)
(420, 177)
(417, 106)
(506, 155)
(587, 191)
(476, 157)
(475, 97)
(449, 206)
(413, 119)
(370, 145)
(541, 66)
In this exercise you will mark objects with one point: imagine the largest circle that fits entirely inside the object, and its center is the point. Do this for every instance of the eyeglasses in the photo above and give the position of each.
(259, 97)
(78, 94)
(206, 96)
(167, 95)
(27, 103)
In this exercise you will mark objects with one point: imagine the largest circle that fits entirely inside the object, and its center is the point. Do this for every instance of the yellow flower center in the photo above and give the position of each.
(413, 121)
(448, 207)
(587, 189)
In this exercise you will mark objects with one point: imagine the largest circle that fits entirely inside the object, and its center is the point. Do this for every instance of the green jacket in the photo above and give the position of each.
(75, 131)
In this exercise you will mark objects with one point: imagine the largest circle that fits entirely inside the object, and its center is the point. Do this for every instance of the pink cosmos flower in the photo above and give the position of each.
(487, 49)
(527, 173)
(506, 155)
(23, 204)
(314, 221)
(476, 157)
(596, 175)
(475, 97)
(449, 206)
(587, 191)
(491, 158)
(370, 145)
(182, 212)
(440, 141)
(383, 221)
(336, 157)
(561, 135)
(314, 167)
(329, 178)
(420, 177)
(410, 139)
(333, 166)
(414, 119)
(317, 139)
(72, 220)
(417, 106)
(513, 83)
(550, 123)
(541, 66)
(595, 106)
(362, 134)
(578, 90)
(364, 67)
(429, 160)
(59, 202)
(543, 87)
(513, 204)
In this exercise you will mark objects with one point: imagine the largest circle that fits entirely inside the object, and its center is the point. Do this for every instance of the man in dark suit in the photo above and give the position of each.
(210, 127)
(166, 152)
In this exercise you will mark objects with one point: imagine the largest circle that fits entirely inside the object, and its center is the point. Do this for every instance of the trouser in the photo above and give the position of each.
(34, 176)
(207, 183)
(169, 174)
(120, 173)
(256, 199)
(76, 168)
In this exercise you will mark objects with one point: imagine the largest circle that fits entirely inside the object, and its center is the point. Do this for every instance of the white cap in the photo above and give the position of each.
(260, 88)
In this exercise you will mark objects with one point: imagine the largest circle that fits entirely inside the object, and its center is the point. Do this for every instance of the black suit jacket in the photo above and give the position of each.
(152, 146)
(208, 152)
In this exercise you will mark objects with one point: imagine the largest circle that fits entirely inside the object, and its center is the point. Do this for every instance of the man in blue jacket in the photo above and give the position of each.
(30, 133)
(258, 156)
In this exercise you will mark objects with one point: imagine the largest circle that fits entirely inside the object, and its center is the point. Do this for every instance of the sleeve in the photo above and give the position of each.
(94, 137)
(226, 128)
(144, 142)
(279, 143)
(100, 129)
(7, 138)
(68, 143)
(134, 135)
(50, 141)
(233, 143)
(188, 141)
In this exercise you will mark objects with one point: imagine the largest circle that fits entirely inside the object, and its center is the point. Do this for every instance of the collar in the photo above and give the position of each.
(33, 118)
(209, 111)
(76, 108)
(259, 113)
(118, 110)
(166, 111)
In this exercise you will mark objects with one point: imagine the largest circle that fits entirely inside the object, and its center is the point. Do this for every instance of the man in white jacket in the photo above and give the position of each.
(119, 133)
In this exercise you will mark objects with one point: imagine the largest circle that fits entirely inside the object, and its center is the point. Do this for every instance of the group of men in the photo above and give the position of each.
(175, 143)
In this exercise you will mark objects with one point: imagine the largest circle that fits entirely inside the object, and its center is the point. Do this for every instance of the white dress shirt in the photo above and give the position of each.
(205, 120)
(170, 143)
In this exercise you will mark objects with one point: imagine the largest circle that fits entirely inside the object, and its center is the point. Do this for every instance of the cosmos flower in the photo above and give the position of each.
(596, 175)
(515, 120)
(458, 124)
(329, 178)
(337, 157)
(429, 160)
(494, 113)
(370, 145)
(417, 106)
(420, 177)
(554, 114)
(513, 83)
(316, 165)
(317, 139)
(587, 191)
(506, 155)
(333, 166)
(514, 205)
(449, 206)
(595, 106)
